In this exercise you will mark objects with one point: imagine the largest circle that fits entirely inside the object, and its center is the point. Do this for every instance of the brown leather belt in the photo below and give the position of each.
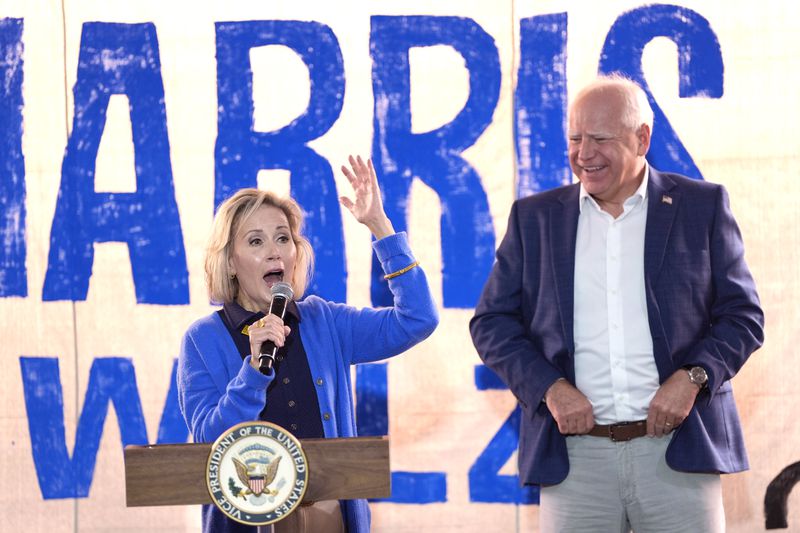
(620, 432)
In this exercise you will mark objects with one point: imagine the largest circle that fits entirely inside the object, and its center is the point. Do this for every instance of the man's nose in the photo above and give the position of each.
(586, 149)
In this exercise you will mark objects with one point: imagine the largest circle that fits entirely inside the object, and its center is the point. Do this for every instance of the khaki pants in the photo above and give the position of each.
(321, 517)
(619, 486)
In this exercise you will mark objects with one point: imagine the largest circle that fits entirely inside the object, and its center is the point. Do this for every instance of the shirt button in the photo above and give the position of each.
(320, 381)
(279, 358)
(291, 403)
(326, 416)
(286, 381)
(294, 427)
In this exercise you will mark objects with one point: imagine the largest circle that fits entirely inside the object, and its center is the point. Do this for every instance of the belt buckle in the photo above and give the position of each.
(611, 429)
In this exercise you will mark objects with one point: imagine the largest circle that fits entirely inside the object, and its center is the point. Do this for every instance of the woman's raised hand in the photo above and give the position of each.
(368, 205)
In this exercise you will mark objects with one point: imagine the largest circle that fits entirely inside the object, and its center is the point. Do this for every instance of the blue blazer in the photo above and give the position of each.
(701, 302)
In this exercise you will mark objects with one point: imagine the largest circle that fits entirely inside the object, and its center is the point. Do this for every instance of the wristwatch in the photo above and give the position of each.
(697, 375)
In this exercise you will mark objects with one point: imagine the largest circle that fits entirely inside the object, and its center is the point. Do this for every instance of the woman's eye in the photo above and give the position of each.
(255, 242)
(283, 239)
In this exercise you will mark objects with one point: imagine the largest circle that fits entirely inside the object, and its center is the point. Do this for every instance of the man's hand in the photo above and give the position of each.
(570, 408)
(671, 404)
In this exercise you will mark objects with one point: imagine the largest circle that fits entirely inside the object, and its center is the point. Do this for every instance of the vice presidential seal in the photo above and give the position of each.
(257, 473)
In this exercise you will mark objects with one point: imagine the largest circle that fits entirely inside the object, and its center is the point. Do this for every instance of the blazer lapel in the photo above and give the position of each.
(563, 222)
(662, 204)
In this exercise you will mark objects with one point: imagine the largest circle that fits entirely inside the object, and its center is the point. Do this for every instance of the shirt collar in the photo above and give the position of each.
(641, 191)
(238, 316)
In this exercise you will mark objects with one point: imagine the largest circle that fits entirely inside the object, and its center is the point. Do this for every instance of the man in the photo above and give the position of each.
(619, 309)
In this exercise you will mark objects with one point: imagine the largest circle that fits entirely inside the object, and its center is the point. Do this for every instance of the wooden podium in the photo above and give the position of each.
(339, 469)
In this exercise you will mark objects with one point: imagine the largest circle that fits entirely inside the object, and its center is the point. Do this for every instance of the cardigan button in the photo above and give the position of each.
(326, 416)
(320, 381)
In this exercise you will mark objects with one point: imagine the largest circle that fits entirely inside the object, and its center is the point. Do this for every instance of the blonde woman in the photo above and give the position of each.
(257, 241)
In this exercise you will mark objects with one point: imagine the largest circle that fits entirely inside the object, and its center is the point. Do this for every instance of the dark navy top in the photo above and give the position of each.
(291, 397)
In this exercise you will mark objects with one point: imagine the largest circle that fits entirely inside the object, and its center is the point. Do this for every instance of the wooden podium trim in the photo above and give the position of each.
(339, 469)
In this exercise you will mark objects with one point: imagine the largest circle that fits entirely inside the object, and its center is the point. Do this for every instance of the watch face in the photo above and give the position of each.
(698, 375)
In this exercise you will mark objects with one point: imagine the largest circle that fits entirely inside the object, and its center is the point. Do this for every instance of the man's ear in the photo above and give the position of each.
(643, 136)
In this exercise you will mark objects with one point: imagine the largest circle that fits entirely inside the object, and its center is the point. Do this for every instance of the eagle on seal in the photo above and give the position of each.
(256, 479)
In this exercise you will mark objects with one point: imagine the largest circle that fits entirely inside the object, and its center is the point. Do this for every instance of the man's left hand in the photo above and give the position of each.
(671, 404)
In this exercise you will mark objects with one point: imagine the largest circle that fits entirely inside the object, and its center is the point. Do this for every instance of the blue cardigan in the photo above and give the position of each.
(217, 389)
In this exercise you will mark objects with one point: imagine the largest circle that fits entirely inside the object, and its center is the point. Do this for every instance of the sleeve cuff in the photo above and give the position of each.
(391, 246)
(252, 377)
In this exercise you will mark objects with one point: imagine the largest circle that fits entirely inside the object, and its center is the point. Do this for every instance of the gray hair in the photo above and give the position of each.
(637, 107)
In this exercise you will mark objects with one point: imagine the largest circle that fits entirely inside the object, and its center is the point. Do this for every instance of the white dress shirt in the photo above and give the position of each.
(614, 364)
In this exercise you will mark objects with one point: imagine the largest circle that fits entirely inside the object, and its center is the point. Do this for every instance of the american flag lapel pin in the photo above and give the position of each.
(666, 200)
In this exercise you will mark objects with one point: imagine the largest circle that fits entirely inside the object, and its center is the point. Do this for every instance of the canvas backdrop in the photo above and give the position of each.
(123, 124)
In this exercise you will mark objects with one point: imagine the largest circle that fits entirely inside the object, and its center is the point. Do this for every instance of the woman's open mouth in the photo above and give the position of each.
(274, 276)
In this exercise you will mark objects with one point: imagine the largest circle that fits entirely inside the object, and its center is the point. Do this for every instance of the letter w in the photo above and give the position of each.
(110, 378)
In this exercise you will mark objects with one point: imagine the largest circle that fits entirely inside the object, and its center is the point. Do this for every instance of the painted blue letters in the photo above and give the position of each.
(485, 484)
(172, 428)
(467, 231)
(13, 274)
(241, 152)
(372, 418)
(110, 378)
(540, 104)
(372, 399)
(700, 69)
(118, 59)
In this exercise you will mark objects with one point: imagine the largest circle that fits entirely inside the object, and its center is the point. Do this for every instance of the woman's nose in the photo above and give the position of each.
(273, 252)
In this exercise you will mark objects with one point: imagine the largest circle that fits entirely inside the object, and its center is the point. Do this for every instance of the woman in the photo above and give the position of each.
(256, 241)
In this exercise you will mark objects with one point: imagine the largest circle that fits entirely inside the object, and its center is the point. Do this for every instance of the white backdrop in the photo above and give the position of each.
(130, 167)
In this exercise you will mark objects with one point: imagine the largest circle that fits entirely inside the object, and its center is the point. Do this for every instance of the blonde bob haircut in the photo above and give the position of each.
(231, 215)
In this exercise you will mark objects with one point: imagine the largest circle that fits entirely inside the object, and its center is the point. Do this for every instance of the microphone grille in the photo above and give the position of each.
(282, 288)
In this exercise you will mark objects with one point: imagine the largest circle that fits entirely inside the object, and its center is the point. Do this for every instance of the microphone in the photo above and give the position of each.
(282, 293)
